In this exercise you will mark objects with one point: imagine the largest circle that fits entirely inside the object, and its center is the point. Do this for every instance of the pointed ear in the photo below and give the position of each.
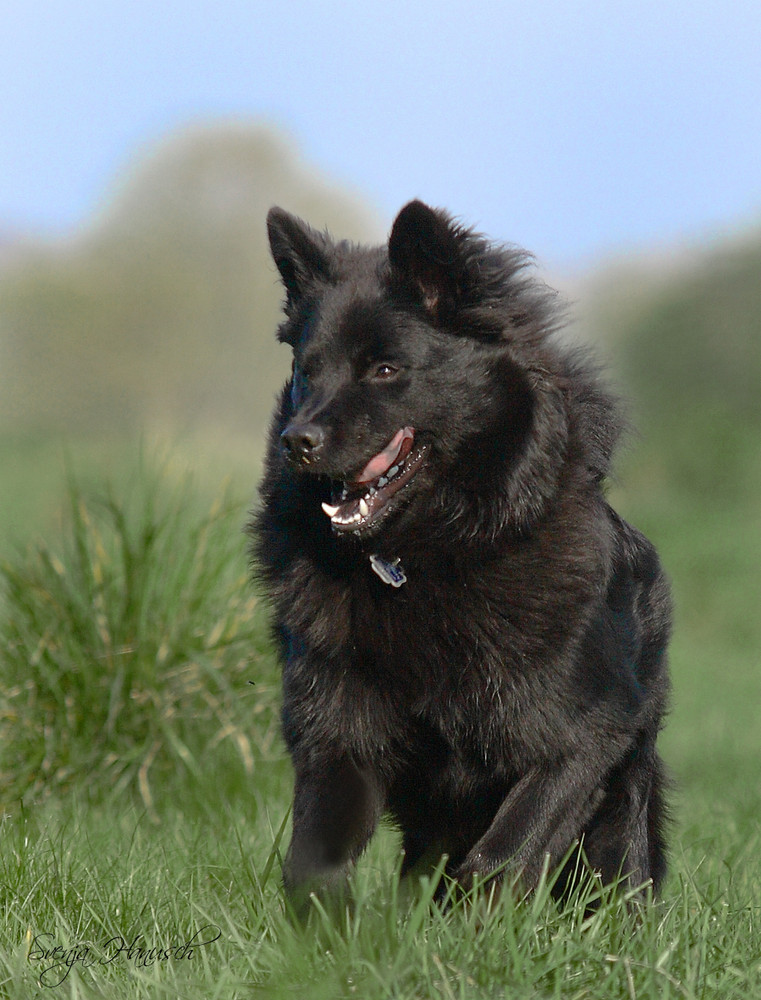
(425, 251)
(299, 252)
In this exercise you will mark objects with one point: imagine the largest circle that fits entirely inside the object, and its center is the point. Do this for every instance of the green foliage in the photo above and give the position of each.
(687, 349)
(695, 346)
(126, 656)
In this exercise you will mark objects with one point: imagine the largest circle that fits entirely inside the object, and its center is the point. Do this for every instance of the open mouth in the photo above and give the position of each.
(366, 499)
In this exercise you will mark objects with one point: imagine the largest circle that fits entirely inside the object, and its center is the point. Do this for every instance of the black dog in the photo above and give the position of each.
(473, 642)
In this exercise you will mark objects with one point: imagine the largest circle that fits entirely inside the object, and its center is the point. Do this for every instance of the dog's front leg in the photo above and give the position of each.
(336, 808)
(542, 815)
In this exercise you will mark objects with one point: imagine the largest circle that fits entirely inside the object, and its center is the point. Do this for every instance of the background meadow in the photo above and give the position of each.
(143, 784)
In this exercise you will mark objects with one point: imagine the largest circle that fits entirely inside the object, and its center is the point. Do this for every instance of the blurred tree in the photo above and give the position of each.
(162, 310)
(686, 332)
(686, 342)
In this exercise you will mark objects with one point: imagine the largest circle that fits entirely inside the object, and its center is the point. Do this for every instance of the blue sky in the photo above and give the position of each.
(575, 129)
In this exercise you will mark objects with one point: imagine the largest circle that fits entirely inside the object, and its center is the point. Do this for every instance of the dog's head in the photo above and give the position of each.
(418, 367)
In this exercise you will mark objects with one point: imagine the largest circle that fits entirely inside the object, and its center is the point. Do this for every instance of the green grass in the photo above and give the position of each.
(91, 878)
(127, 654)
(145, 790)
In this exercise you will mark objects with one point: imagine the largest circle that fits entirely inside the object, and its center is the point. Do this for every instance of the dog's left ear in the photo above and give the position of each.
(425, 250)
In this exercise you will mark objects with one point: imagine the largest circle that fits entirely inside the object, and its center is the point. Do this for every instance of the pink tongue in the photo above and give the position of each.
(383, 461)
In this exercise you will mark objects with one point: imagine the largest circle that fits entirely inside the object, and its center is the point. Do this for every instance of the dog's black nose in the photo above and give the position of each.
(303, 442)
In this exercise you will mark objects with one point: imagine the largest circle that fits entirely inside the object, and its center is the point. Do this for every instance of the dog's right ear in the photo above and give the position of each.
(300, 253)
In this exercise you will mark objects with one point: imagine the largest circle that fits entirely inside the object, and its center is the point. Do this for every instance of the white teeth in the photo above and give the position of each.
(393, 471)
(382, 481)
(363, 508)
(330, 510)
(353, 519)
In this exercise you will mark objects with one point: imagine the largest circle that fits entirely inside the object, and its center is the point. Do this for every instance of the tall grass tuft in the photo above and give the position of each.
(127, 651)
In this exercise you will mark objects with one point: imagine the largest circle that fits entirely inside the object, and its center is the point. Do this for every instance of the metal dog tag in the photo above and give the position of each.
(391, 573)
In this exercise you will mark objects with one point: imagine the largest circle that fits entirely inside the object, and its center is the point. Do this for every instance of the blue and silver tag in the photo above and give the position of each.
(390, 572)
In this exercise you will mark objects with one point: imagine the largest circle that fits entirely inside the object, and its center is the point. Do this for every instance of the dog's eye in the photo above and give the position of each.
(383, 372)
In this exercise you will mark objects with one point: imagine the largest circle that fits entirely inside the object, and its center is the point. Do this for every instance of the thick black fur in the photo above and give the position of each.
(504, 702)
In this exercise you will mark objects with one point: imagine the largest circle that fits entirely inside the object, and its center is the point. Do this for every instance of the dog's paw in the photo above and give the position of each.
(328, 885)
